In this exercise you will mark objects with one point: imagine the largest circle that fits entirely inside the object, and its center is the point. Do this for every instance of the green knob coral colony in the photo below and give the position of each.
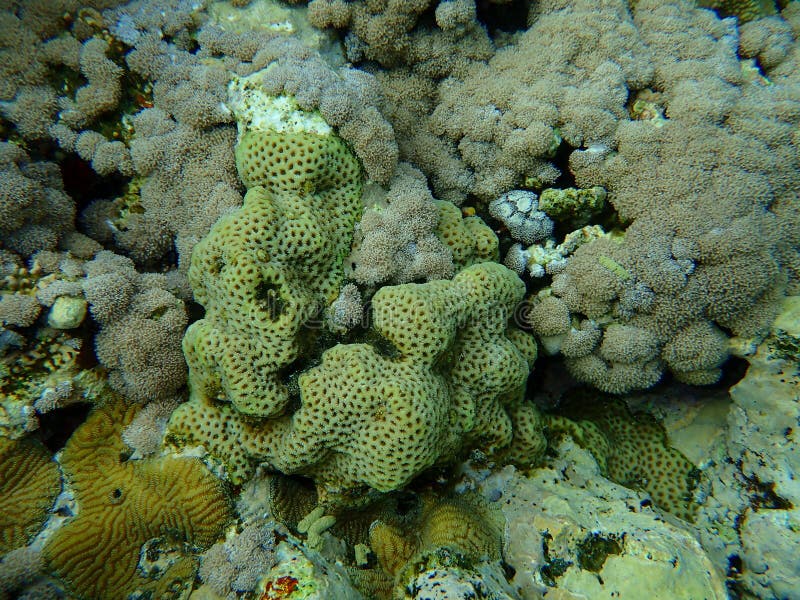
(365, 417)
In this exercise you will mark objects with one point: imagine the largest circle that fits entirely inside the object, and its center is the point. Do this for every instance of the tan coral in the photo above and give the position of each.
(123, 504)
(696, 353)
(549, 316)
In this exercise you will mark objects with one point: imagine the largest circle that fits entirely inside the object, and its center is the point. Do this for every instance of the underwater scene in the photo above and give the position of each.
(399, 299)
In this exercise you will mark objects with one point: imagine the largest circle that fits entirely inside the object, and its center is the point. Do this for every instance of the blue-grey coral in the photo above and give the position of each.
(519, 211)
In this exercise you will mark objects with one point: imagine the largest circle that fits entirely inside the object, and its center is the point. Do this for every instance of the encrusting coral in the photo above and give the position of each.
(632, 450)
(122, 504)
(432, 535)
(448, 544)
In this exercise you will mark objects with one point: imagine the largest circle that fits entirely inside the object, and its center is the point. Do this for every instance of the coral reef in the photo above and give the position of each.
(407, 235)
(86, 311)
(462, 529)
(42, 373)
(124, 503)
(303, 573)
(266, 269)
(421, 541)
(275, 228)
(686, 267)
(449, 574)
(396, 240)
(478, 139)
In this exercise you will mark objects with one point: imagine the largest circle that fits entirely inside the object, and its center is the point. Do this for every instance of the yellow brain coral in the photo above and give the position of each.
(466, 525)
(122, 504)
(29, 484)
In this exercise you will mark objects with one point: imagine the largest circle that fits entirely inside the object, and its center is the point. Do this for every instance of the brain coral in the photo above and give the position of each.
(124, 503)
(465, 524)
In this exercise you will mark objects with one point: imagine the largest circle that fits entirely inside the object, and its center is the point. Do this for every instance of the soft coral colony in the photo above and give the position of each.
(399, 298)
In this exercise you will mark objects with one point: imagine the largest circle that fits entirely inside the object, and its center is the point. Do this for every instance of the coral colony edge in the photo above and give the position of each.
(399, 299)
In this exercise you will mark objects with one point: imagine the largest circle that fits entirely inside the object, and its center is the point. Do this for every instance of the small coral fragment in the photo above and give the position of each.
(572, 206)
(519, 211)
(67, 312)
